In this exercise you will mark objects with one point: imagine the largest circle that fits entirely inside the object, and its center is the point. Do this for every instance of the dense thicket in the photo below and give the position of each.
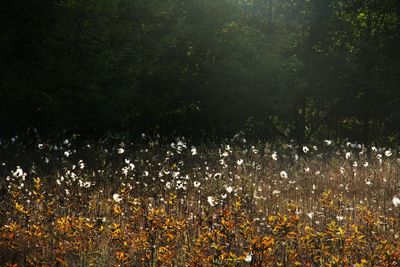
(279, 69)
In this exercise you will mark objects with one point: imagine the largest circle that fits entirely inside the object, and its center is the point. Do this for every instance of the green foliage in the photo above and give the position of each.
(288, 69)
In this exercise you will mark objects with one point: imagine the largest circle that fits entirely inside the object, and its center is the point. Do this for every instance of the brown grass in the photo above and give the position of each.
(320, 215)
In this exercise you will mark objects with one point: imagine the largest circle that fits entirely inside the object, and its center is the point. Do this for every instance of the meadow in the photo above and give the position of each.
(151, 201)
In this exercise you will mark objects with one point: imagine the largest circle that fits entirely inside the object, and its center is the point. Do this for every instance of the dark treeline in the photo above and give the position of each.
(293, 69)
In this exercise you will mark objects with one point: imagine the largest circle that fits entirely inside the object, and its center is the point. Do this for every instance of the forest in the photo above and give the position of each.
(298, 70)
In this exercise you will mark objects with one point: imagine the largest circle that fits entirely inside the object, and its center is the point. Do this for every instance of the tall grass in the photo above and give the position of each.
(157, 203)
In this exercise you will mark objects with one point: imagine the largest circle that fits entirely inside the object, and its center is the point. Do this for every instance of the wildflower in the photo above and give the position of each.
(388, 153)
(239, 162)
(348, 154)
(67, 153)
(196, 184)
(19, 172)
(217, 175)
(355, 164)
(307, 169)
(284, 174)
(396, 201)
(328, 142)
(121, 150)
(310, 215)
(276, 192)
(168, 185)
(225, 154)
(194, 151)
(374, 149)
(305, 149)
(229, 189)
(212, 201)
(81, 164)
(248, 257)
(117, 198)
(40, 146)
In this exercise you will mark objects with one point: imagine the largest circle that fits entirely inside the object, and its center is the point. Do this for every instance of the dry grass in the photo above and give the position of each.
(150, 203)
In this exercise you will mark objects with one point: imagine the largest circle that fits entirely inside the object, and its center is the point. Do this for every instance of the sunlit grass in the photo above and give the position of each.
(152, 203)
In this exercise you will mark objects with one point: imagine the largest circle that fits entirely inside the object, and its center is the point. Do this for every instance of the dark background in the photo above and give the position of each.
(287, 69)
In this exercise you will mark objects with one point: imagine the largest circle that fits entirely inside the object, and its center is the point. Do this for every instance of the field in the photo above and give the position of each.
(158, 202)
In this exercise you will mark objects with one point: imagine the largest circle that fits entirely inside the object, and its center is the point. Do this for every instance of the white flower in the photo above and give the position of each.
(274, 156)
(374, 149)
(146, 173)
(217, 175)
(19, 172)
(194, 151)
(40, 146)
(66, 142)
(248, 257)
(121, 150)
(355, 164)
(307, 169)
(229, 189)
(212, 201)
(117, 198)
(365, 164)
(239, 162)
(196, 184)
(81, 164)
(310, 215)
(396, 201)
(225, 154)
(339, 218)
(328, 142)
(388, 153)
(284, 174)
(348, 154)
(276, 192)
(67, 153)
(168, 185)
(305, 149)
